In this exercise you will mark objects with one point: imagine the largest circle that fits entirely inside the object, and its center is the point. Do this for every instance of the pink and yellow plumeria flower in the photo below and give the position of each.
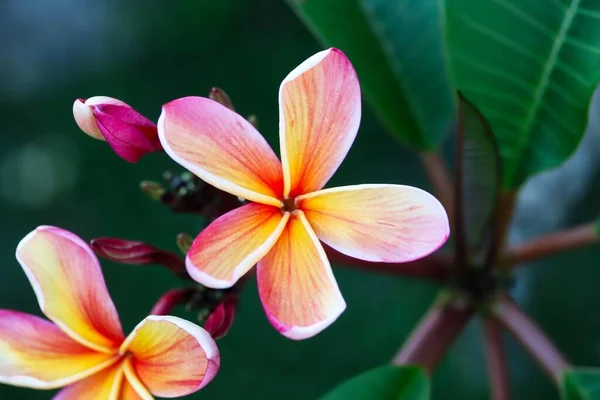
(319, 115)
(84, 349)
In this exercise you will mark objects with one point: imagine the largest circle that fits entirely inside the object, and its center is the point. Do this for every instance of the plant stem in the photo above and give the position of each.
(430, 340)
(506, 207)
(496, 359)
(531, 337)
(440, 180)
(171, 299)
(435, 267)
(545, 246)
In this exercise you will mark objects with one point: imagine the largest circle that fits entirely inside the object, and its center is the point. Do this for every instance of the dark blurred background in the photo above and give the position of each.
(149, 52)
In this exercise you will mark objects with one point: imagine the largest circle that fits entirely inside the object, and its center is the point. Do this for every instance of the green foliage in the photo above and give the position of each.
(477, 181)
(530, 67)
(581, 384)
(387, 382)
(397, 51)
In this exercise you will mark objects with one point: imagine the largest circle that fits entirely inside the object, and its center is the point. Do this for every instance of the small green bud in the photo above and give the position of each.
(153, 190)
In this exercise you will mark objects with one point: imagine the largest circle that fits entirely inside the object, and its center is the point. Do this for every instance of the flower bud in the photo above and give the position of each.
(219, 322)
(137, 253)
(127, 132)
(220, 97)
(153, 190)
(171, 299)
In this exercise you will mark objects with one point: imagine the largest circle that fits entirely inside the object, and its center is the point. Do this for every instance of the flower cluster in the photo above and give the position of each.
(280, 228)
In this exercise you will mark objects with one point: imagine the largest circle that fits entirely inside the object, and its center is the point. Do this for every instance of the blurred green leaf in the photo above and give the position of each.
(387, 382)
(531, 67)
(397, 50)
(477, 182)
(581, 384)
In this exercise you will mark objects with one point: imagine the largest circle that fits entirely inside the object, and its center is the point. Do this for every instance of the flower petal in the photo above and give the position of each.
(171, 356)
(35, 353)
(233, 243)
(69, 285)
(133, 386)
(296, 285)
(128, 392)
(319, 114)
(221, 148)
(104, 385)
(385, 223)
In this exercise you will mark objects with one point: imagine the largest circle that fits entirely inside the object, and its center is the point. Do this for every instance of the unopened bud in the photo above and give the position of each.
(154, 190)
(219, 322)
(127, 132)
(137, 253)
(221, 97)
(184, 242)
(172, 299)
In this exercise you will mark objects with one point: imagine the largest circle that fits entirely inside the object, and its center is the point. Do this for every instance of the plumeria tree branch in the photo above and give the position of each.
(439, 177)
(435, 267)
(503, 217)
(434, 335)
(496, 359)
(556, 242)
(531, 337)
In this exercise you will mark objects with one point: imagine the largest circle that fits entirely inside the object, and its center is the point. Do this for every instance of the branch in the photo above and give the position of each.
(506, 207)
(548, 245)
(440, 180)
(496, 359)
(430, 340)
(172, 299)
(435, 267)
(531, 337)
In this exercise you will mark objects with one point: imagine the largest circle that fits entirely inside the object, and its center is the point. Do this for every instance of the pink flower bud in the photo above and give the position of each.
(137, 253)
(127, 132)
(219, 322)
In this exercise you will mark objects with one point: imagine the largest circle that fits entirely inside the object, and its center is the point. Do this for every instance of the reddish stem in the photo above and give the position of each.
(440, 180)
(435, 334)
(545, 246)
(496, 359)
(531, 337)
(434, 267)
(172, 299)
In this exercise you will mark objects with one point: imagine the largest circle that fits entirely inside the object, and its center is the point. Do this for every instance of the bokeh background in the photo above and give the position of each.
(148, 52)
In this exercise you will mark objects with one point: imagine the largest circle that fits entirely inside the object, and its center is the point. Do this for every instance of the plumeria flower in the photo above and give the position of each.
(319, 114)
(84, 348)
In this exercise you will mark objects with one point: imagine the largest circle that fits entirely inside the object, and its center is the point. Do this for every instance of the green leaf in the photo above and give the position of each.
(580, 384)
(478, 178)
(397, 50)
(387, 382)
(531, 67)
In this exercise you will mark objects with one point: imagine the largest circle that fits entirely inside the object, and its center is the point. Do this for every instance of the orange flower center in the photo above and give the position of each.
(289, 205)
